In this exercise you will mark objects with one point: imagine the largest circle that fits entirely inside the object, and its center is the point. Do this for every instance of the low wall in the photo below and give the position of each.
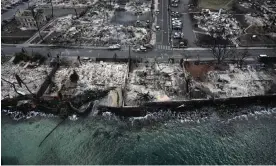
(188, 105)
(238, 101)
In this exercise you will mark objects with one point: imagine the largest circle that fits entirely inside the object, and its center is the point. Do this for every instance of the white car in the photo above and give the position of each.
(262, 56)
(157, 27)
(174, 19)
(86, 58)
(140, 49)
(114, 47)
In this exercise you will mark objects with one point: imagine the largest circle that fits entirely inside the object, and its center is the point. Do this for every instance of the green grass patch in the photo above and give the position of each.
(216, 4)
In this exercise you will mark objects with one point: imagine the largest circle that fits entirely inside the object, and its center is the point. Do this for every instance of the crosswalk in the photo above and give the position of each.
(125, 48)
(158, 47)
(163, 47)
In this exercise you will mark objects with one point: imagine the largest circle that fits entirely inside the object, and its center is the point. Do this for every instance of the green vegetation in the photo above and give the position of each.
(215, 4)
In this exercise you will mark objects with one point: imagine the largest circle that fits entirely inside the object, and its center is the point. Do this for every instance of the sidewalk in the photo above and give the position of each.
(41, 30)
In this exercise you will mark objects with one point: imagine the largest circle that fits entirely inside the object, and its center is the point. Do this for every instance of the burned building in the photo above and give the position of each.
(28, 20)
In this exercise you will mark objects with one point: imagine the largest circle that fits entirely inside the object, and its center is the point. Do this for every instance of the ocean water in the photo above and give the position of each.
(158, 138)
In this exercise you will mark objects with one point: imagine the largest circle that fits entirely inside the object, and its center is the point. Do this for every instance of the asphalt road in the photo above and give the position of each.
(163, 22)
(203, 54)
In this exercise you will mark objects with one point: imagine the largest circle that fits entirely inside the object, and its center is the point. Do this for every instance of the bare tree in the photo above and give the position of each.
(36, 17)
(13, 85)
(20, 82)
(221, 52)
(188, 81)
(75, 9)
(241, 56)
(76, 12)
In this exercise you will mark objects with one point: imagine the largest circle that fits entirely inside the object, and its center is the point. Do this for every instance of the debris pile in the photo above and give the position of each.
(92, 76)
(65, 3)
(8, 4)
(138, 7)
(154, 82)
(63, 23)
(95, 28)
(30, 74)
(260, 13)
(237, 82)
(217, 25)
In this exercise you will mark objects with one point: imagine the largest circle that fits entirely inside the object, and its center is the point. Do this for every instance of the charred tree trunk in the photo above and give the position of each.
(76, 12)
(47, 82)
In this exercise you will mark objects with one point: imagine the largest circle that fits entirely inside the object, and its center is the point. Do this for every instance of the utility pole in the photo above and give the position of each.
(129, 56)
(4, 55)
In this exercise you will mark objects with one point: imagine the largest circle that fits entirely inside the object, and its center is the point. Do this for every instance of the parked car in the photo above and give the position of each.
(176, 24)
(175, 14)
(85, 58)
(177, 27)
(148, 46)
(174, 1)
(140, 49)
(157, 27)
(178, 35)
(9, 7)
(176, 19)
(115, 47)
(143, 49)
(174, 4)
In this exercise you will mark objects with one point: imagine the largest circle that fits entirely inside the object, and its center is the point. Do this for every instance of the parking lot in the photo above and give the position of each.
(176, 29)
(182, 34)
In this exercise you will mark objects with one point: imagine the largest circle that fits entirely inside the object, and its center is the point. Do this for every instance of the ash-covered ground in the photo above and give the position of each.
(106, 23)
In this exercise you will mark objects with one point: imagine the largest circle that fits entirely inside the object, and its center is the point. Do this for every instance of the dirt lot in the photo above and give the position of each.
(207, 40)
(260, 40)
(198, 71)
